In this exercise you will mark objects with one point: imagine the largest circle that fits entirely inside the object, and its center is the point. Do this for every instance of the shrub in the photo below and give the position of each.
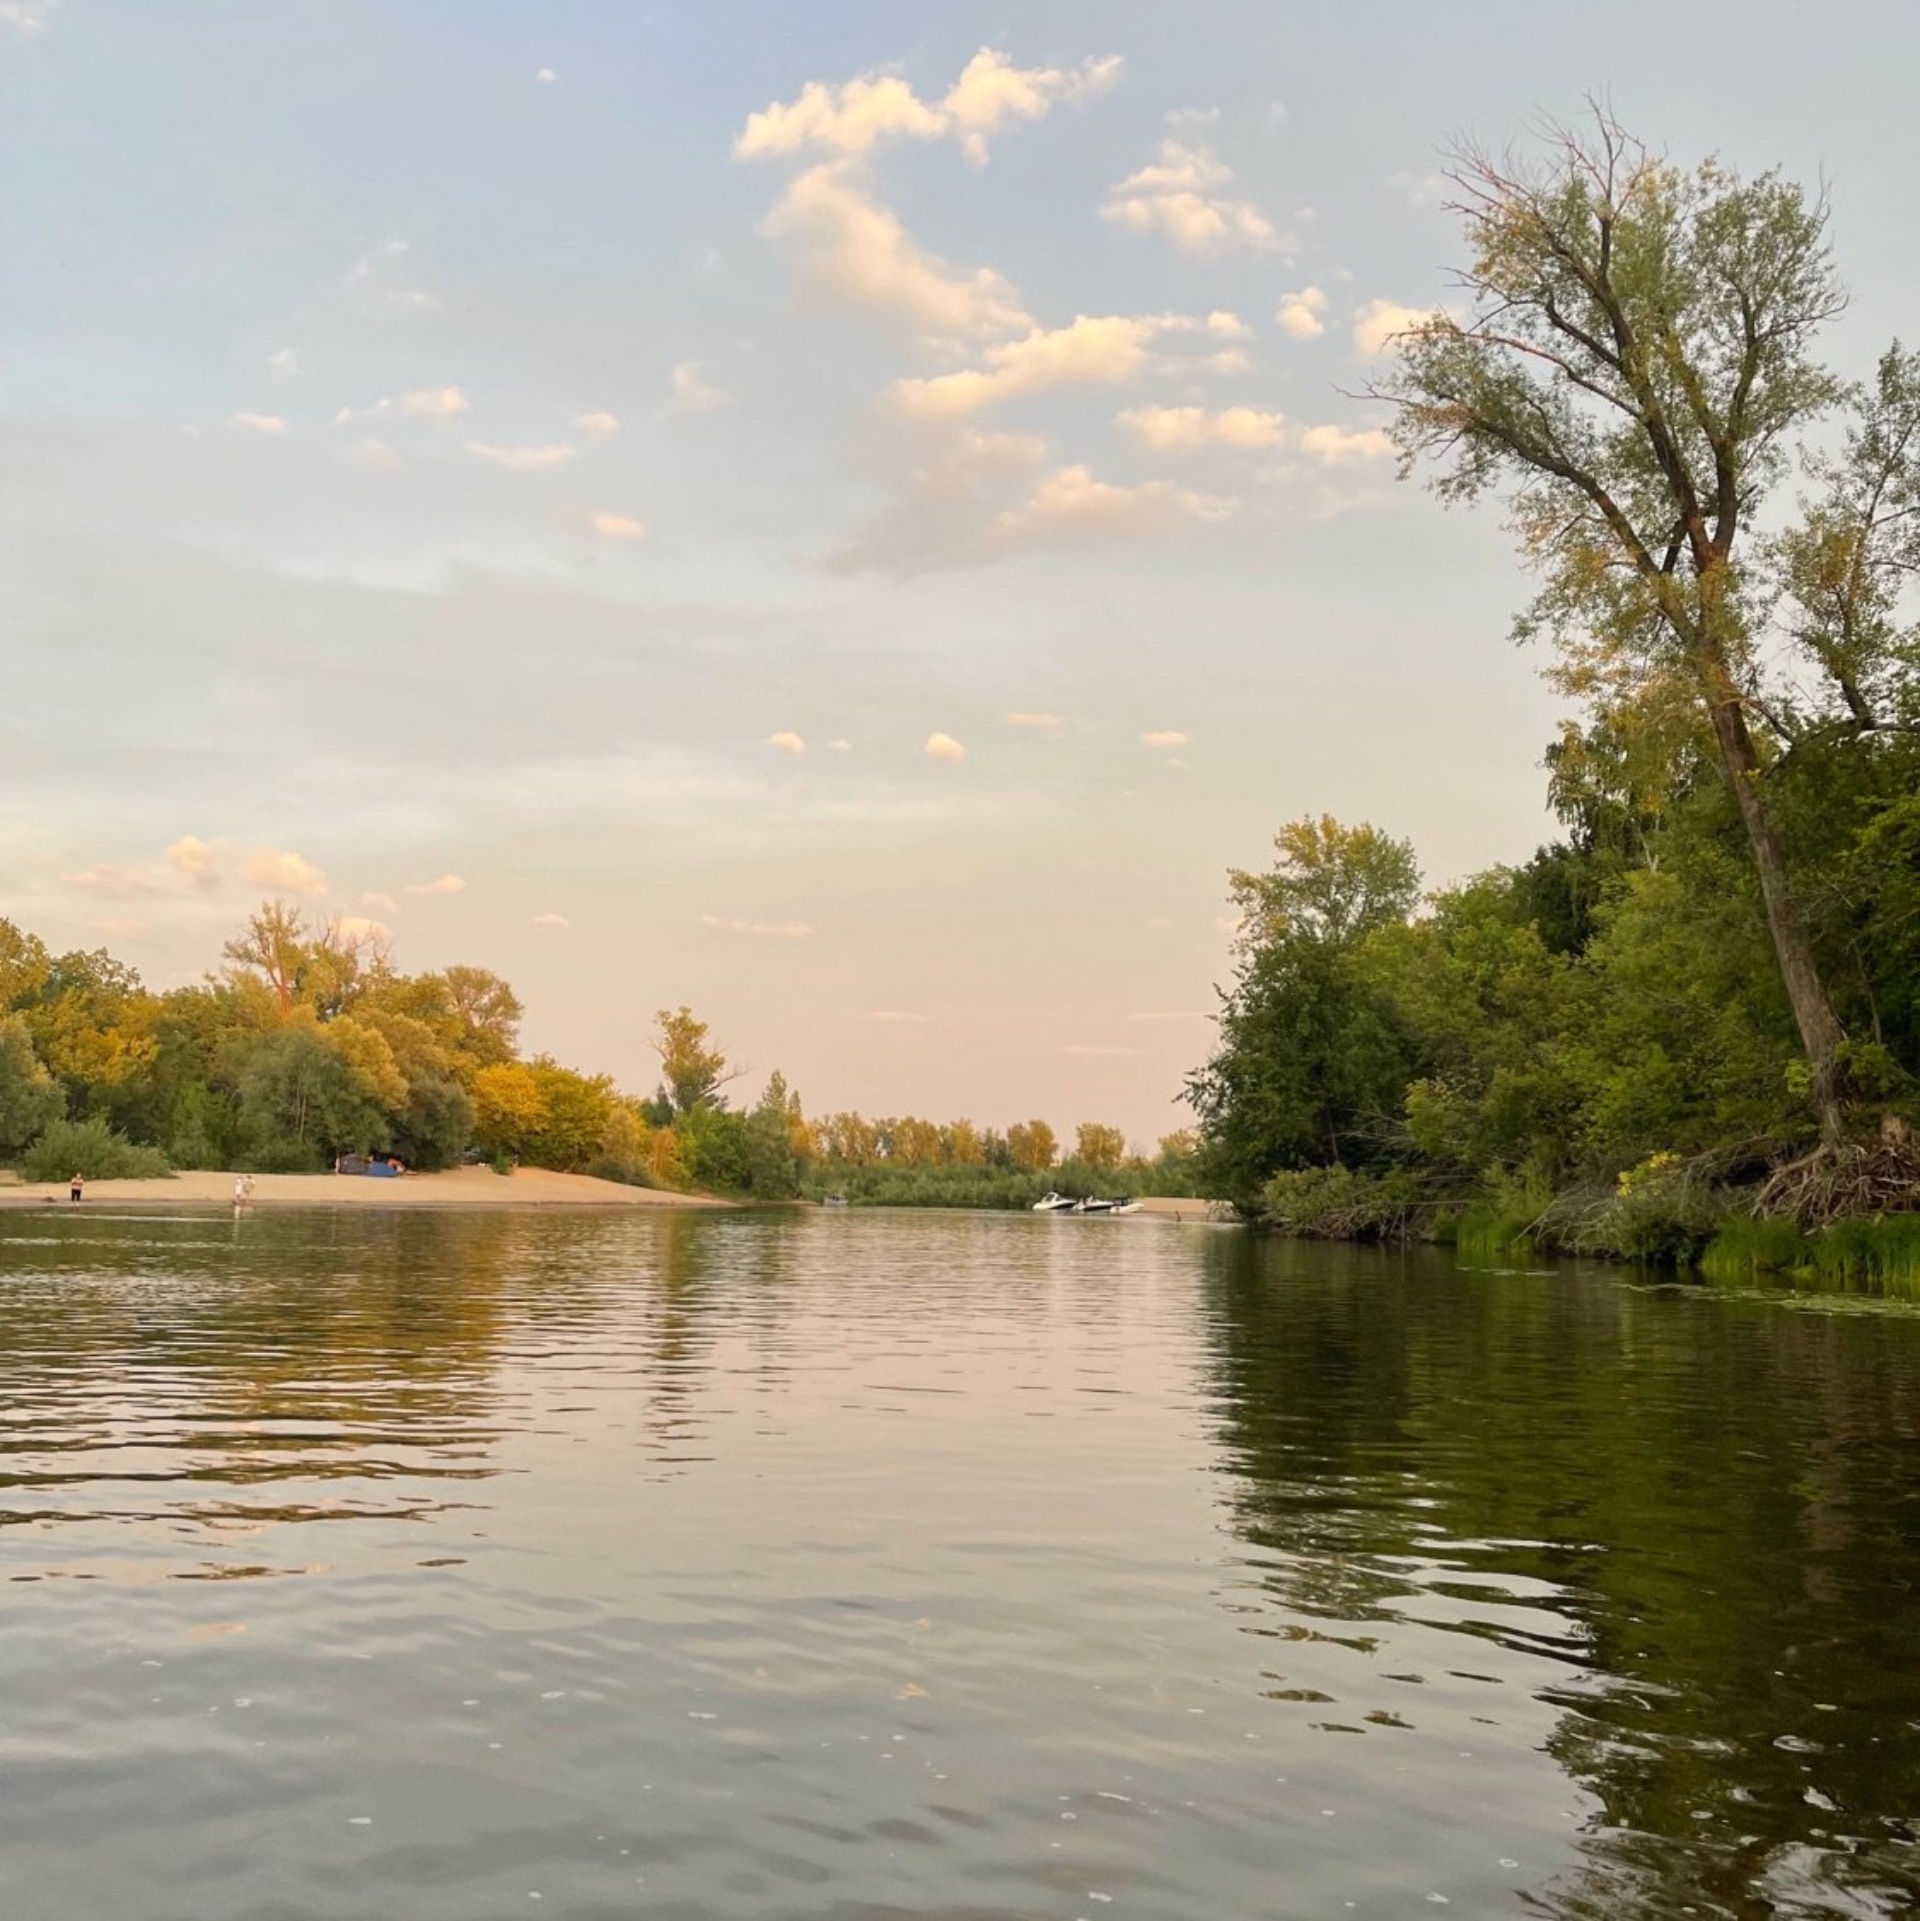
(91, 1148)
(1337, 1204)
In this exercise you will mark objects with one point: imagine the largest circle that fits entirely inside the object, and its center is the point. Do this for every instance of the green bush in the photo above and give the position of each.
(1658, 1214)
(1337, 1204)
(609, 1167)
(93, 1149)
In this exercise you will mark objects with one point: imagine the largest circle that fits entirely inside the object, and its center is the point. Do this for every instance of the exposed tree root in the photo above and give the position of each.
(1843, 1180)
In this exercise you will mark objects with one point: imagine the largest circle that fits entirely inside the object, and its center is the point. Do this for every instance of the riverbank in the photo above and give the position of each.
(465, 1187)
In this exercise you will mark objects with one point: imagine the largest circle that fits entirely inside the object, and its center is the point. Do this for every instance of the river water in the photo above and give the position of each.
(852, 1565)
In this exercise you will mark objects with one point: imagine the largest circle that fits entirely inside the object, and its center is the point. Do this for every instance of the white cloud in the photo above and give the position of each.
(893, 1014)
(604, 526)
(851, 118)
(373, 275)
(284, 872)
(596, 425)
(759, 929)
(192, 859)
(992, 91)
(380, 903)
(1109, 348)
(1299, 313)
(107, 879)
(787, 741)
(855, 254)
(545, 76)
(1229, 326)
(381, 409)
(446, 884)
(284, 365)
(854, 117)
(358, 931)
(691, 392)
(258, 423)
(551, 920)
(374, 454)
(1164, 737)
(1342, 446)
(25, 18)
(374, 259)
(839, 746)
(1184, 429)
(945, 747)
(1041, 723)
(434, 403)
(964, 498)
(1181, 196)
(1375, 325)
(1070, 504)
(523, 460)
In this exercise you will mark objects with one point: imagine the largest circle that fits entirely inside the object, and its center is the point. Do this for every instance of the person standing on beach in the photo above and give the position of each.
(75, 1187)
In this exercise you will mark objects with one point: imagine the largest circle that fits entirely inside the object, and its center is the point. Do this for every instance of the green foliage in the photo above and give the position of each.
(1746, 1249)
(308, 1092)
(714, 1140)
(1877, 1257)
(1660, 1213)
(692, 1072)
(30, 1097)
(1338, 1203)
(1485, 1232)
(92, 1149)
(1857, 1256)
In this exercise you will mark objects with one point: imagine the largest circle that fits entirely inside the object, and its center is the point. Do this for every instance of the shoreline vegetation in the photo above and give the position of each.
(308, 1044)
(1687, 1032)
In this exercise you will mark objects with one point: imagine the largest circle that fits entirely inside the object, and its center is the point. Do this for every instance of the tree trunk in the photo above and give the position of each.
(1820, 1031)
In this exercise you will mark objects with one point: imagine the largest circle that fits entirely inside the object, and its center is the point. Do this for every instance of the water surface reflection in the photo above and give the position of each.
(934, 1566)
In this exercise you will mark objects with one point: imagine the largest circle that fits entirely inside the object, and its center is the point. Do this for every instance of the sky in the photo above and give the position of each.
(852, 517)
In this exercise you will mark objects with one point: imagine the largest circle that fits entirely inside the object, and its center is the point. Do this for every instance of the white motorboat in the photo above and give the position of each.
(1051, 1203)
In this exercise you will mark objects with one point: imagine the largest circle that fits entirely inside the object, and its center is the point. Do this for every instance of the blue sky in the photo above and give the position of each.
(865, 570)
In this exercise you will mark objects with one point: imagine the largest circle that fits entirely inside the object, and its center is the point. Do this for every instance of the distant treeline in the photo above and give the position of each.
(308, 1043)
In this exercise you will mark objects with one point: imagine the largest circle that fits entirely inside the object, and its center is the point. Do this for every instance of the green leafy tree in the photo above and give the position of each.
(1634, 369)
(30, 1098)
(772, 1166)
(307, 1092)
(693, 1073)
(1314, 1057)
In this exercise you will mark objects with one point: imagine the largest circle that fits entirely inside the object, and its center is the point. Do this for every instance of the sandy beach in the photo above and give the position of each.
(466, 1187)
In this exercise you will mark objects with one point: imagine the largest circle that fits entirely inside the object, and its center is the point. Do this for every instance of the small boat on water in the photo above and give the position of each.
(1051, 1203)
(833, 1200)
